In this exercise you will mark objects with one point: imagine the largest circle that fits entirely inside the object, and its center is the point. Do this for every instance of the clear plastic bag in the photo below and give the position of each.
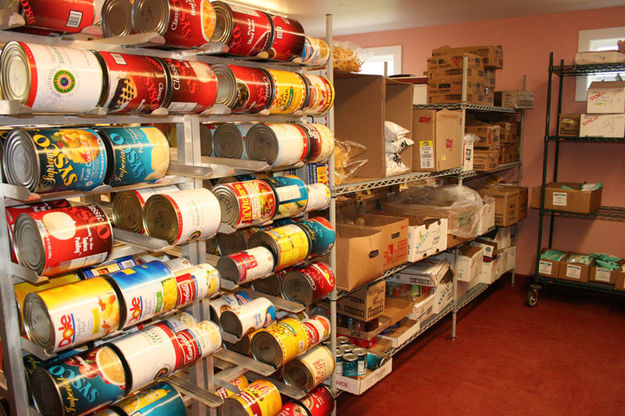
(394, 165)
(346, 163)
(398, 145)
(348, 57)
(393, 131)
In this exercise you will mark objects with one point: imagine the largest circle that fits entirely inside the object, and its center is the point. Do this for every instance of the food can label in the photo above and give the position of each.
(193, 86)
(316, 51)
(292, 336)
(240, 382)
(228, 302)
(292, 195)
(256, 202)
(198, 341)
(191, 23)
(292, 144)
(198, 211)
(179, 322)
(293, 409)
(318, 328)
(320, 363)
(70, 16)
(321, 279)
(321, 142)
(289, 92)
(288, 40)
(293, 245)
(253, 264)
(322, 235)
(260, 398)
(109, 267)
(178, 264)
(319, 402)
(255, 315)
(251, 31)
(144, 194)
(196, 283)
(148, 289)
(160, 399)
(254, 89)
(318, 197)
(320, 94)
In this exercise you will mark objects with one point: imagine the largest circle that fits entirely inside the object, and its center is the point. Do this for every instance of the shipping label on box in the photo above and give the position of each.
(602, 125)
(545, 268)
(606, 97)
(426, 154)
(569, 125)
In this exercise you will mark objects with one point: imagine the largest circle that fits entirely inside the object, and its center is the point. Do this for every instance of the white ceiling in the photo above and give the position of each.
(361, 16)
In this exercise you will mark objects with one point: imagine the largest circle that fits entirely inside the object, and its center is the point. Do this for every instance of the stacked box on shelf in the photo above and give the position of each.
(605, 108)
(487, 150)
(438, 140)
(445, 79)
(510, 203)
(492, 55)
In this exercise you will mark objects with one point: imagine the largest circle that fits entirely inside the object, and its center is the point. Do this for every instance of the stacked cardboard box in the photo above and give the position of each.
(488, 147)
(605, 107)
(510, 139)
(510, 203)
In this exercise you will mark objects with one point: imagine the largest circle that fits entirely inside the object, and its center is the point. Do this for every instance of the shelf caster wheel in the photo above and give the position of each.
(532, 298)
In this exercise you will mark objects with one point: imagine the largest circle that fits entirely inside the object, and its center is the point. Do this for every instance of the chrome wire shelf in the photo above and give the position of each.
(603, 213)
(595, 287)
(473, 173)
(588, 139)
(576, 70)
(471, 107)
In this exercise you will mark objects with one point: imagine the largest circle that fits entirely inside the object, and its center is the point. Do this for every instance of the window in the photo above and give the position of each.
(377, 56)
(597, 40)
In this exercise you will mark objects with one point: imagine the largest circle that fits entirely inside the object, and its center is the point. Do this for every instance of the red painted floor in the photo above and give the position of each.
(566, 356)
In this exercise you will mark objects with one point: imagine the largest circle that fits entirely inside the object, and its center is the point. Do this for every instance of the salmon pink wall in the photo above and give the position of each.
(527, 42)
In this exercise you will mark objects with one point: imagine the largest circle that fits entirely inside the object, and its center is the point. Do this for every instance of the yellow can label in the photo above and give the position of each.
(240, 382)
(261, 398)
(290, 92)
(293, 244)
(292, 336)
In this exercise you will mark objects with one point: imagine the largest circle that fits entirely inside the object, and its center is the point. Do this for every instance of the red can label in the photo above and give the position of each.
(251, 31)
(318, 328)
(257, 202)
(191, 23)
(70, 16)
(193, 86)
(288, 39)
(178, 351)
(137, 84)
(254, 90)
(189, 347)
(321, 279)
(293, 409)
(319, 402)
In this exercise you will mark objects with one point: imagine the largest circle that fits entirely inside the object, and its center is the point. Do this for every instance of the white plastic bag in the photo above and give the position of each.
(392, 131)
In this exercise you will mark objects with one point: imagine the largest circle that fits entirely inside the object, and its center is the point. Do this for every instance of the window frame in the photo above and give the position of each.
(394, 50)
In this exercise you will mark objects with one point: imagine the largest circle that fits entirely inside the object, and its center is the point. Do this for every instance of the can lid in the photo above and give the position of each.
(29, 245)
(127, 212)
(150, 16)
(228, 269)
(228, 204)
(223, 22)
(160, 219)
(228, 141)
(297, 374)
(15, 74)
(45, 392)
(296, 287)
(226, 86)
(350, 357)
(116, 18)
(21, 161)
(37, 322)
(229, 322)
(266, 349)
(261, 143)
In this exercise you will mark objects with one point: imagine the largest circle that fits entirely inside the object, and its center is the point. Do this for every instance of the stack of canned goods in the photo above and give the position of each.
(352, 361)
(319, 402)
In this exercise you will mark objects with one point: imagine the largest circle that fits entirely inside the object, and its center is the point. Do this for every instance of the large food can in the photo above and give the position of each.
(289, 244)
(198, 342)
(260, 398)
(244, 204)
(161, 399)
(128, 207)
(116, 18)
(270, 284)
(308, 284)
(281, 342)
(320, 94)
(321, 142)
(135, 154)
(316, 51)
(319, 402)
(55, 159)
(248, 318)
(243, 89)
(181, 216)
(63, 239)
(321, 234)
(240, 382)
(318, 329)
(229, 140)
(288, 39)
(290, 92)
(310, 369)
(136, 84)
(293, 409)
(246, 32)
(79, 384)
(228, 244)
(70, 16)
(277, 144)
(319, 197)
(226, 303)
(291, 193)
(193, 86)
(247, 265)
(179, 321)
(188, 23)
(196, 283)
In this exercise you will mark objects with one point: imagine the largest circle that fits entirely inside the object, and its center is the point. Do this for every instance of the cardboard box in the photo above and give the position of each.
(450, 86)
(548, 268)
(510, 203)
(455, 73)
(468, 149)
(468, 262)
(492, 56)
(606, 97)
(574, 271)
(514, 99)
(491, 76)
(361, 384)
(487, 216)
(428, 272)
(426, 238)
(602, 275)
(569, 200)
(422, 308)
(602, 125)
(490, 248)
(383, 324)
(508, 259)
(454, 60)
(491, 271)
(620, 281)
(502, 236)
(360, 256)
(364, 304)
(443, 295)
(506, 131)
(474, 96)
(406, 330)
(569, 125)
(485, 160)
(489, 134)
(438, 138)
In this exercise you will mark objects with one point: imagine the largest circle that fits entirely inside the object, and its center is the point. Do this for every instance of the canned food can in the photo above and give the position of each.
(240, 382)
(320, 94)
(229, 140)
(196, 283)
(116, 18)
(288, 39)
(186, 24)
(375, 361)
(291, 193)
(281, 342)
(321, 234)
(160, 399)
(70, 16)
(293, 409)
(318, 328)
(128, 207)
(136, 84)
(193, 86)
(79, 384)
(319, 197)
(248, 318)
(198, 341)
(179, 321)
(226, 303)
(231, 243)
(316, 51)
(55, 159)
(321, 142)
(350, 364)
(206, 136)
(135, 154)
(347, 348)
(270, 284)
(108, 267)
(339, 362)
(243, 89)
(289, 245)
(361, 353)
(63, 239)
(246, 266)
(246, 32)
(244, 204)
(260, 398)
(310, 369)
(342, 340)
(178, 264)
(308, 284)
(108, 411)
(319, 402)
(277, 144)
(290, 92)
(182, 216)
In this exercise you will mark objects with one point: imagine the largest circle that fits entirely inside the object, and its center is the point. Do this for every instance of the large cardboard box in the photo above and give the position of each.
(426, 238)
(602, 275)
(492, 56)
(450, 86)
(548, 268)
(510, 203)
(602, 125)
(443, 295)
(569, 200)
(485, 160)
(574, 271)
(438, 138)
(455, 73)
(491, 271)
(358, 385)
(569, 125)
(606, 97)
(506, 131)
(360, 256)
(454, 60)
(365, 304)
(480, 96)
(468, 262)
(514, 99)
(489, 134)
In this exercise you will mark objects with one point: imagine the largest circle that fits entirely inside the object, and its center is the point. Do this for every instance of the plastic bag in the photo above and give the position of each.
(347, 56)
(393, 131)
(346, 163)
(394, 165)
(398, 145)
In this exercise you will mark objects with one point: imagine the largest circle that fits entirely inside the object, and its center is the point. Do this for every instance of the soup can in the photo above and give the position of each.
(260, 398)
(361, 353)
(347, 348)
(320, 94)
(277, 144)
(229, 140)
(293, 409)
(270, 284)
(247, 265)
(243, 345)
(147, 290)
(289, 244)
(290, 92)
(136, 84)
(281, 342)
(161, 399)
(316, 51)
(55, 159)
(198, 341)
(350, 364)
(226, 303)
(196, 283)
(291, 193)
(182, 216)
(240, 382)
(321, 234)
(321, 142)
(243, 89)
(108, 267)
(318, 328)
(319, 197)
(70, 16)
(319, 402)
(79, 384)
(248, 318)
(375, 361)
(288, 39)
(179, 321)
(63, 239)
(128, 207)
(193, 86)
(116, 18)
(310, 369)
(244, 204)
(246, 32)
(231, 243)
(308, 284)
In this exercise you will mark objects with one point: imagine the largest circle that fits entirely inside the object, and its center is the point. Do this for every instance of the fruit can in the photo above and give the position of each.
(178, 264)
(63, 239)
(246, 266)
(136, 84)
(55, 159)
(189, 23)
(260, 398)
(161, 399)
(248, 318)
(290, 92)
(226, 303)
(108, 267)
(281, 342)
(240, 382)
(116, 18)
(321, 142)
(182, 216)
(198, 341)
(69, 16)
(321, 233)
(244, 204)
(196, 283)
(318, 328)
(246, 32)
(319, 402)
(229, 139)
(128, 207)
(179, 321)
(289, 244)
(319, 197)
(316, 51)
(320, 94)
(308, 284)
(293, 409)
(135, 154)
(310, 369)
(291, 193)
(147, 290)
(79, 384)
(288, 39)
(193, 86)
(243, 89)
(277, 144)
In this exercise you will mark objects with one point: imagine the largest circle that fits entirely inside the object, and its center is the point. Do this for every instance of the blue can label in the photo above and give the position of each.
(159, 400)
(109, 267)
(350, 368)
(291, 193)
(321, 233)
